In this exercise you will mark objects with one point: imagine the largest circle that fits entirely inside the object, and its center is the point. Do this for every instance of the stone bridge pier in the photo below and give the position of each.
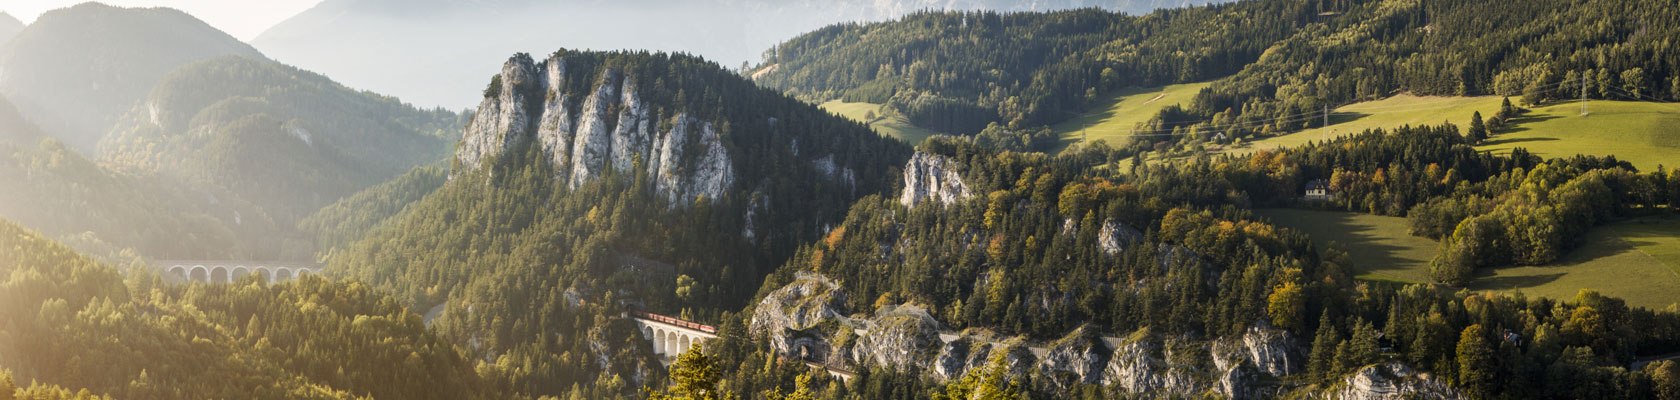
(223, 272)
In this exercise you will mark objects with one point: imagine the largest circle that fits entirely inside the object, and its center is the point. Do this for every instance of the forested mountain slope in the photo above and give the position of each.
(288, 140)
(191, 144)
(1282, 62)
(70, 321)
(105, 213)
(588, 182)
(355, 40)
(77, 69)
(956, 72)
(1057, 279)
(345, 221)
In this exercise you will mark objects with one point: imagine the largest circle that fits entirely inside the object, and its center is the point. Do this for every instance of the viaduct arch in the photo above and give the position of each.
(222, 272)
(671, 336)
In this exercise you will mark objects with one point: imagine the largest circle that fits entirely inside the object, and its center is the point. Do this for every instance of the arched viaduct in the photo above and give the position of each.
(231, 271)
(671, 336)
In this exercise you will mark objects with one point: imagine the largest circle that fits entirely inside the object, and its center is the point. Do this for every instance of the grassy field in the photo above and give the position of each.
(1643, 133)
(1379, 246)
(1130, 108)
(1637, 260)
(895, 127)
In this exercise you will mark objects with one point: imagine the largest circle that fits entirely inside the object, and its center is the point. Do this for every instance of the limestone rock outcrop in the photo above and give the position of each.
(1116, 236)
(788, 316)
(903, 337)
(932, 177)
(1392, 381)
(612, 129)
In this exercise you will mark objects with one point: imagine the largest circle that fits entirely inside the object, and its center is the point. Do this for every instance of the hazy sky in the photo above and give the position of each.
(243, 19)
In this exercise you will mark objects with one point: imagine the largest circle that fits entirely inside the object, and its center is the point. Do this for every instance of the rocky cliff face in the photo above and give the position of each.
(1116, 236)
(788, 316)
(904, 337)
(612, 128)
(1140, 366)
(805, 317)
(1392, 381)
(930, 177)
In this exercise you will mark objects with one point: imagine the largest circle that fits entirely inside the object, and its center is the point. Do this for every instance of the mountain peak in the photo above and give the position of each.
(76, 69)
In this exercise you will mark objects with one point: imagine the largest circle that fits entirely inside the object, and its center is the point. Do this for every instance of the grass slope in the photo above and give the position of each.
(1638, 260)
(1379, 246)
(895, 126)
(1643, 133)
(1129, 108)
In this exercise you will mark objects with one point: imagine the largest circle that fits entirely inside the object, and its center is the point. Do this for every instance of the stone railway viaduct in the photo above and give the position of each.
(231, 271)
(671, 336)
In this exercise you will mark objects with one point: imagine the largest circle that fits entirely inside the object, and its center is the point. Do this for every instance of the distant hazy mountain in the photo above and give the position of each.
(9, 27)
(13, 127)
(199, 138)
(75, 70)
(289, 141)
(58, 192)
(428, 51)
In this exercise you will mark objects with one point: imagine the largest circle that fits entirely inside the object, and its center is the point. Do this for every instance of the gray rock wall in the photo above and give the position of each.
(687, 162)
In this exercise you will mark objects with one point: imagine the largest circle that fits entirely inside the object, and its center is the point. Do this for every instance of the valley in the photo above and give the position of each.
(898, 199)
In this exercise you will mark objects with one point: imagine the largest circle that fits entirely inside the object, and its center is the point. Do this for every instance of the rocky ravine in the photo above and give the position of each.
(687, 161)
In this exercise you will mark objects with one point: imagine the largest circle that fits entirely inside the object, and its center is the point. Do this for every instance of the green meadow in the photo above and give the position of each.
(1128, 108)
(1644, 133)
(1637, 260)
(895, 126)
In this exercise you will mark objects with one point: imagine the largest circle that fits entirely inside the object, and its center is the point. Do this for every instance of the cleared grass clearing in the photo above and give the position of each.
(1637, 260)
(1389, 113)
(1379, 246)
(1644, 133)
(895, 127)
(1129, 108)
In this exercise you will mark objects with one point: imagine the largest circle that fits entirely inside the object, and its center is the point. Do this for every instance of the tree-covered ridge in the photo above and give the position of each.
(1041, 249)
(100, 212)
(77, 69)
(957, 71)
(343, 222)
(1278, 64)
(286, 139)
(1541, 50)
(532, 273)
(70, 321)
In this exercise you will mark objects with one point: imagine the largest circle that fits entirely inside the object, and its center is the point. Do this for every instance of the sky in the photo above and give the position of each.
(244, 19)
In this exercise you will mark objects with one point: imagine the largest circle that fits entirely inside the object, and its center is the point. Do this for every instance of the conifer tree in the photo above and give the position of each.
(1478, 129)
(1319, 362)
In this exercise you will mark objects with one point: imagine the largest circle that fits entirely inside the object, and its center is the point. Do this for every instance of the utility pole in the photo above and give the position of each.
(1326, 128)
(1583, 95)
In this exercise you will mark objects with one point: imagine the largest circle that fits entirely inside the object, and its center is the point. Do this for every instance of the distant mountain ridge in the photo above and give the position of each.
(289, 140)
(169, 119)
(75, 70)
(354, 41)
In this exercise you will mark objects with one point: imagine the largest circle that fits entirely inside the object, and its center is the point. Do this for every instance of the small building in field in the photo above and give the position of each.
(1317, 189)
